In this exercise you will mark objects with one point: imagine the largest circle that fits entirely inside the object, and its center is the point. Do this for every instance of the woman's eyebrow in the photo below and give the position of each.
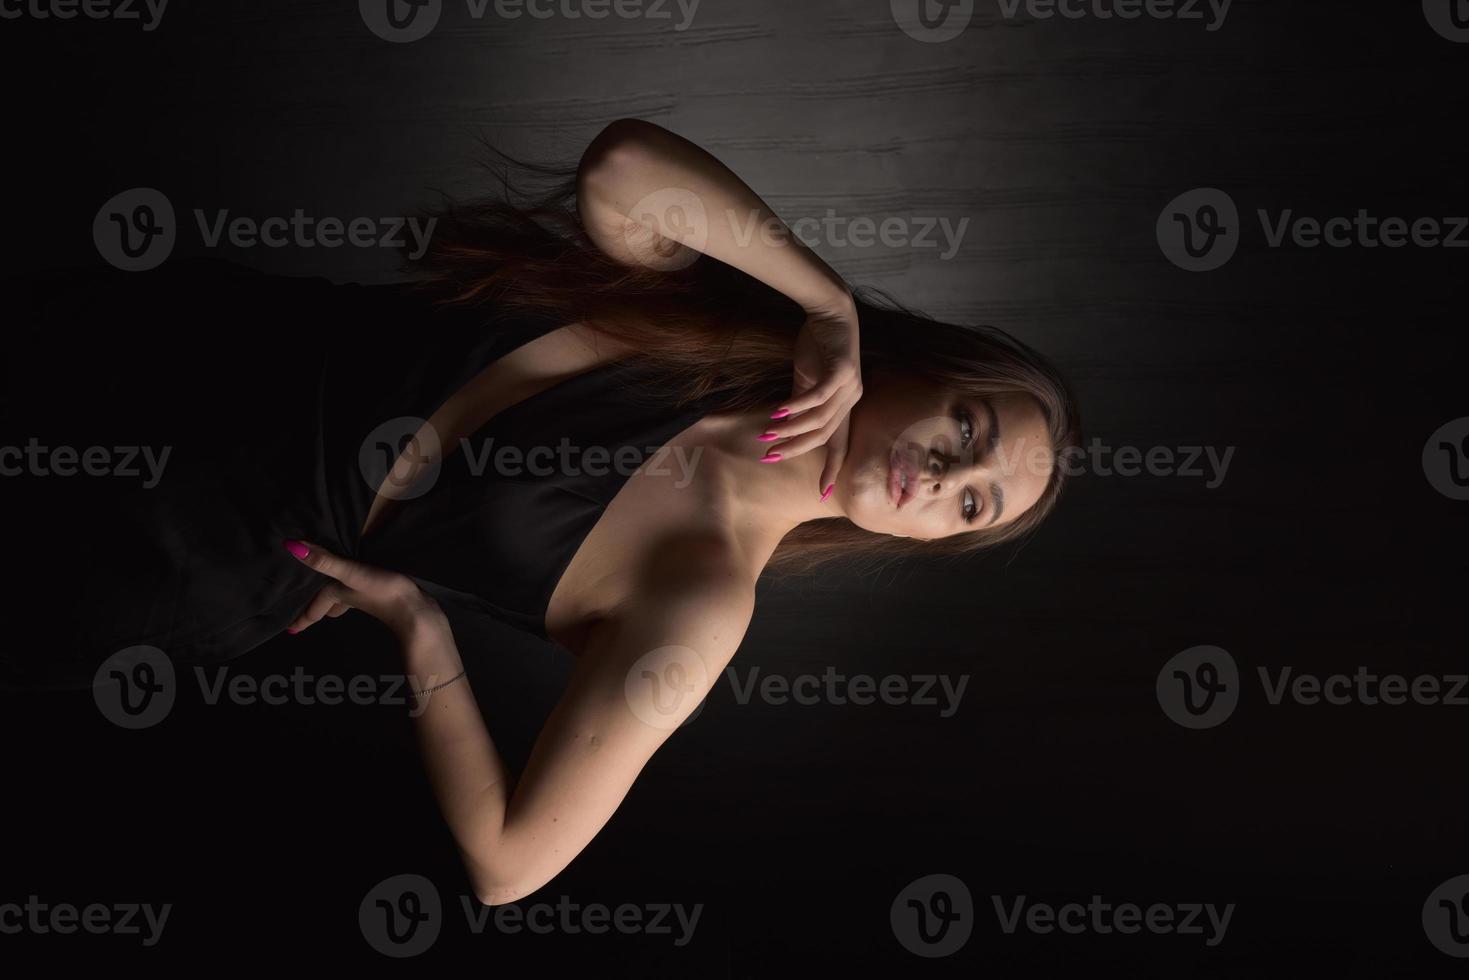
(992, 446)
(992, 440)
(997, 496)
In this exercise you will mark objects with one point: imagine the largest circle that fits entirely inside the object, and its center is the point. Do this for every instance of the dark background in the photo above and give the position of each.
(1325, 548)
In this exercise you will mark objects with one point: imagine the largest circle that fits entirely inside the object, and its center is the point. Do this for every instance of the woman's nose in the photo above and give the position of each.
(940, 468)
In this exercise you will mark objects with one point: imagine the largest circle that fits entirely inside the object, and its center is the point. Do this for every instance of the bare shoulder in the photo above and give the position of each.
(701, 574)
(695, 591)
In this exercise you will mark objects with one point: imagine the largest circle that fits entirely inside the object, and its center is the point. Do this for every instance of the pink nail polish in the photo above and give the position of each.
(768, 436)
(292, 630)
(297, 548)
(827, 492)
(781, 413)
(770, 458)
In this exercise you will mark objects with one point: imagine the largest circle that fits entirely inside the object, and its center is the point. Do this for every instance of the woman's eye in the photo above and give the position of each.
(966, 429)
(969, 508)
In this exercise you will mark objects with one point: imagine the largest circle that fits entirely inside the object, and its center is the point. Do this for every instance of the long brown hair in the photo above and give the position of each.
(710, 330)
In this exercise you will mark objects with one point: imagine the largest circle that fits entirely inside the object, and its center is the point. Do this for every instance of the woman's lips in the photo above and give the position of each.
(898, 493)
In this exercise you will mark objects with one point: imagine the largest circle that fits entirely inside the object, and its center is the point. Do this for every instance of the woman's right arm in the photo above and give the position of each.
(649, 197)
(644, 671)
(638, 171)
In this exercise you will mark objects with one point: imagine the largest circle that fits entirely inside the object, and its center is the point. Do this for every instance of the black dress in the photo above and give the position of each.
(165, 432)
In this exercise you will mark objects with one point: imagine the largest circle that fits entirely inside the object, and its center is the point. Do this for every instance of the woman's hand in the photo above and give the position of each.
(827, 383)
(389, 597)
(635, 168)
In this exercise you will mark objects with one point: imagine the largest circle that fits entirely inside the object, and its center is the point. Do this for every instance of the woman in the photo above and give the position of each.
(777, 420)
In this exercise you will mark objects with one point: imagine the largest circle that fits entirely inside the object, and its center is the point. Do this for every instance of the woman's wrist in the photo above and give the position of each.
(838, 305)
(427, 643)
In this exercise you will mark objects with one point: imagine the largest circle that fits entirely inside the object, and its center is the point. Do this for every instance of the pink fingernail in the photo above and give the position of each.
(292, 629)
(768, 436)
(770, 458)
(781, 413)
(827, 492)
(297, 548)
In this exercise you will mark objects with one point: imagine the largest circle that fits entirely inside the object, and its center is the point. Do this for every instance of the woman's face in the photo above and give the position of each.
(925, 462)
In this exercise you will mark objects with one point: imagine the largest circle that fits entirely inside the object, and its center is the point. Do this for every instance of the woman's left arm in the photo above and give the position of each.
(650, 197)
(617, 710)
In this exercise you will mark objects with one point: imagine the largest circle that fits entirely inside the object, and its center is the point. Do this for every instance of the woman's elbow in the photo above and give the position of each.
(620, 144)
(500, 882)
(500, 894)
(498, 885)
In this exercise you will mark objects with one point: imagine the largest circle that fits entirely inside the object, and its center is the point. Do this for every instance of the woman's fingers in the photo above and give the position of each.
(344, 570)
(808, 421)
(385, 595)
(836, 454)
(834, 381)
(320, 605)
(835, 414)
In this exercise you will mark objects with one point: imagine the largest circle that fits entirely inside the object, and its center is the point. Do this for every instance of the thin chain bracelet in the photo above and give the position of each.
(436, 687)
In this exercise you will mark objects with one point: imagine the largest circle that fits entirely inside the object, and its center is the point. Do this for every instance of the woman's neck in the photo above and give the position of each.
(763, 500)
